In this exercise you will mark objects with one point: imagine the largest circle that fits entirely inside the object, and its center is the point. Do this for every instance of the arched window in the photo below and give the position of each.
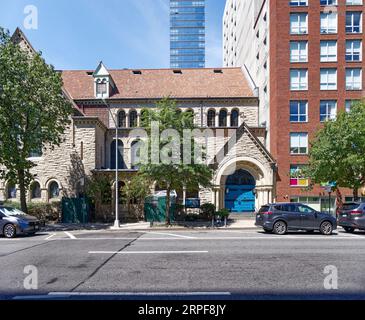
(121, 164)
(107, 193)
(35, 190)
(223, 118)
(36, 153)
(211, 118)
(11, 191)
(234, 118)
(101, 88)
(122, 119)
(135, 154)
(144, 117)
(133, 119)
(190, 117)
(54, 190)
(121, 192)
(192, 194)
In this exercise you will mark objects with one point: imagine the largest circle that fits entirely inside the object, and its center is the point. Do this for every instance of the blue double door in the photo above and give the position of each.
(240, 198)
(239, 192)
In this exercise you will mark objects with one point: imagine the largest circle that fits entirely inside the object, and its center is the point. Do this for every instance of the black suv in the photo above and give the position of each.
(281, 217)
(352, 216)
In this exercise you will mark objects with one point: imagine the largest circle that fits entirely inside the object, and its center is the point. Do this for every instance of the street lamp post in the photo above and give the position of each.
(116, 222)
(328, 189)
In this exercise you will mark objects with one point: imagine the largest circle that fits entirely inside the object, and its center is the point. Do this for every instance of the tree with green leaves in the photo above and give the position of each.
(337, 152)
(33, 111)
(168, 145)
(136, 191)
(99, 189)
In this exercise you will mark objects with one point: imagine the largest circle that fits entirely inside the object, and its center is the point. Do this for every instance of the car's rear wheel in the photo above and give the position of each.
(349, 229)
(326, 228)
(280, 228)
(9, 231)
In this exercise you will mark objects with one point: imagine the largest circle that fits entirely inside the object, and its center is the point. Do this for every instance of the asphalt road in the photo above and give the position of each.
(182, 264)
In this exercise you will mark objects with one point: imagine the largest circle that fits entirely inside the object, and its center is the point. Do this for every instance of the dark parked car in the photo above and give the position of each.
(352, 216)
(14, 222)
(281, 217)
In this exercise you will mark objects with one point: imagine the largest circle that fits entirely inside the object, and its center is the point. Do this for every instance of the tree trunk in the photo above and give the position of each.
(23, 200)
(356, 194)
(168, 220)
(129, 206)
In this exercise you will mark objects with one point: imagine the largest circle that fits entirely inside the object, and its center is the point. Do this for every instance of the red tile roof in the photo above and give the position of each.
(159, 83)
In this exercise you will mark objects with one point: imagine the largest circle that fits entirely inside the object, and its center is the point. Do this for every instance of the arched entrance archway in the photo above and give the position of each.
(239, 192)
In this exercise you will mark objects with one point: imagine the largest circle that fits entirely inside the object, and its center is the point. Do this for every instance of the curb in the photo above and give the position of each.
(187, 229)
(145, 228)
(155, 229)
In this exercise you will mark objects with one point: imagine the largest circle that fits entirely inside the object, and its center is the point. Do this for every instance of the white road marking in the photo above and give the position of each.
(55, 295)
(141, 293)
(352, 235)
(71, 236)
(145, 252)
(51, 236)
(170, 234)
(330, 238)
(199, 237)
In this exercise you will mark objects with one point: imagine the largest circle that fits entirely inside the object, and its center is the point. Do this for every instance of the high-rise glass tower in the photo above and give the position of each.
(187, 34)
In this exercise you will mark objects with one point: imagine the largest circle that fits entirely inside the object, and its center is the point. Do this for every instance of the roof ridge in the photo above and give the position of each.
(156, 69)
(157, 83)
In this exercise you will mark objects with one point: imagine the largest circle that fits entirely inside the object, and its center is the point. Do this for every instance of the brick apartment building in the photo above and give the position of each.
(306, 58)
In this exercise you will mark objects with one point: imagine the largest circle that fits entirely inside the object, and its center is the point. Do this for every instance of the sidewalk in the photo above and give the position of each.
(232, 225)
(146, 226)
(75, 227)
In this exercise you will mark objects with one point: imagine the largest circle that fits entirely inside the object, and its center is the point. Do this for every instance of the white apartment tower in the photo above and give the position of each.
(246, 44)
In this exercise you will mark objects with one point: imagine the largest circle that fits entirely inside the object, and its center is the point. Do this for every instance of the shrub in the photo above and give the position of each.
(207, 210)
(191, 217)
(41, 210)
(224, 213)
(179, 209)
(99, 189)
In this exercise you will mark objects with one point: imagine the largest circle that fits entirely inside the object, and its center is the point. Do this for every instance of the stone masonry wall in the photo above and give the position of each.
(67, 164)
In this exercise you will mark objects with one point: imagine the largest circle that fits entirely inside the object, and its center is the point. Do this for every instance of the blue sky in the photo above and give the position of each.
(77, 34)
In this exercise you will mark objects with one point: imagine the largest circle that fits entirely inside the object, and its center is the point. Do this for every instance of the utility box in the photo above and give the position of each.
(155, 207)
(75, 210)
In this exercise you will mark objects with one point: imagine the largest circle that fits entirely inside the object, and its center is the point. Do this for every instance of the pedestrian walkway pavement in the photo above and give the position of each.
(75, 227)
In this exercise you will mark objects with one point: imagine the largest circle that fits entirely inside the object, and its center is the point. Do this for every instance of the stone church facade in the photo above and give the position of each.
(223, 100)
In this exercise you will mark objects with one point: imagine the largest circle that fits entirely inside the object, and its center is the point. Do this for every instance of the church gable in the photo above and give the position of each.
(245, 143)
(20, 39)
(103, 82)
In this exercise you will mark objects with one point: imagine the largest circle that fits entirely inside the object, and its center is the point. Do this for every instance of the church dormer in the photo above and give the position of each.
(103, 82)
